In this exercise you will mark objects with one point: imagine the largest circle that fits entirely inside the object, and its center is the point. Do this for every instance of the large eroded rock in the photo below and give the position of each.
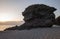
(39, 15)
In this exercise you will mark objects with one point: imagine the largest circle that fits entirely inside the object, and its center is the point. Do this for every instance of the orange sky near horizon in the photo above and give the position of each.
(4, 27)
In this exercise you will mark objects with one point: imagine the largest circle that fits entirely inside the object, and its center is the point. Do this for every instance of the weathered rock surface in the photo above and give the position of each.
(57, 21)
(39, 15)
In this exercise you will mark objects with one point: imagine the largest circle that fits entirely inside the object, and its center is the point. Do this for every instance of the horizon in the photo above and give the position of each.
(4, 25)
(11, 22)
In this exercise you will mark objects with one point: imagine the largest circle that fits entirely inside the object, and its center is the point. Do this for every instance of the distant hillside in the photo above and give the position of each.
(11, 23)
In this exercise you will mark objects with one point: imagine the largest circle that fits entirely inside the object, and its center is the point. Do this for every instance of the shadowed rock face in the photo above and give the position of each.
(37, 15)
(57, 21)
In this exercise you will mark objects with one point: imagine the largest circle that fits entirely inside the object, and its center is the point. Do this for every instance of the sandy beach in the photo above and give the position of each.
(38, 33)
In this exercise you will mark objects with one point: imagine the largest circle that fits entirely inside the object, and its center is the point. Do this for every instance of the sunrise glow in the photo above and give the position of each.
(7, 17)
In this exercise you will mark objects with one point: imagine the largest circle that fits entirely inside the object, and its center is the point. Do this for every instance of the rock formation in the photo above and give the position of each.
(57, 21)
(37, 15)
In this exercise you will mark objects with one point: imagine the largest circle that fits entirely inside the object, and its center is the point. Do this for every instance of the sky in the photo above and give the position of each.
(11, 10)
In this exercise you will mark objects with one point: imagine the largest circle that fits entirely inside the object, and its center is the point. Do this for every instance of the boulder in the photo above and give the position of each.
(39, 15)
